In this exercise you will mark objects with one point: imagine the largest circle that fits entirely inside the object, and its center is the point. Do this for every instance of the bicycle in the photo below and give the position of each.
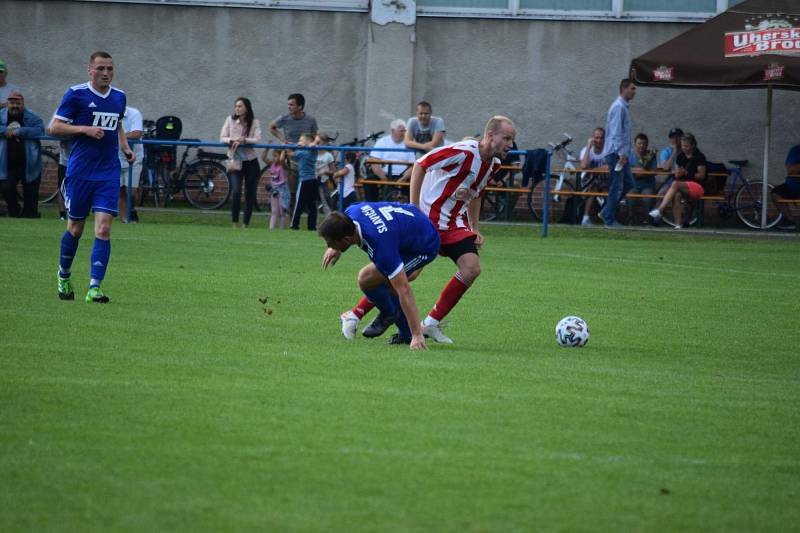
(740, 195)
(203, 181)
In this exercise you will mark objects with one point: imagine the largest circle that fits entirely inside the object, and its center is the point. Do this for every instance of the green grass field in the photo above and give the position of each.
(188, 405)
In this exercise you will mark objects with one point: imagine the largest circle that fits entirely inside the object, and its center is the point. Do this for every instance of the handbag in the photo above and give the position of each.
(233, 164)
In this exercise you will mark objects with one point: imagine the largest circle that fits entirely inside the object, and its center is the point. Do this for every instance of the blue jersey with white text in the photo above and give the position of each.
(93, 159)
(392, 233)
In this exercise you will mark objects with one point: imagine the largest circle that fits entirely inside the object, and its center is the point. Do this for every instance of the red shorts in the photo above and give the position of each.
(695, 190)
(455, 235)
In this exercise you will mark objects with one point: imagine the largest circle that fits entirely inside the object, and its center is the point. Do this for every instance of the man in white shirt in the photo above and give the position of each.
(134, 129)
(400, 171)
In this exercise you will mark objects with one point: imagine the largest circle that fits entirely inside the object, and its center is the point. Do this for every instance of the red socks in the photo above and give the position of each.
(449, 297)
(363, 307)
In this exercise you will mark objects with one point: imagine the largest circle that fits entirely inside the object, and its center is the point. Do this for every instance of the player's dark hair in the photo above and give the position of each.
(104, 55)
(624, 84)
(426, 105)
(299, 99)
(336, 227)
(248, 114)
(641, 136)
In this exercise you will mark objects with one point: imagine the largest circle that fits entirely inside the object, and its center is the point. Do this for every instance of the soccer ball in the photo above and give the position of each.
(572, 332)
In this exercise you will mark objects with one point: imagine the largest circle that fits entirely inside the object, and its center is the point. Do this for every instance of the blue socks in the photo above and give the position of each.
(389, 304)
(101, 251)
(69, 245)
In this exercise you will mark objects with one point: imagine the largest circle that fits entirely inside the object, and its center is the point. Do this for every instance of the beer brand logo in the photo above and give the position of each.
(773, 72)
(766, 36)
(663, 73)
(105, 121)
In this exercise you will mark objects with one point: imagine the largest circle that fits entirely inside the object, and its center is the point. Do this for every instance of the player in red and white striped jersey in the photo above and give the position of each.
(447, 184)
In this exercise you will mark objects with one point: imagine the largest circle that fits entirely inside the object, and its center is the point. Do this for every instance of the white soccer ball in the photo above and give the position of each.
(572, 332)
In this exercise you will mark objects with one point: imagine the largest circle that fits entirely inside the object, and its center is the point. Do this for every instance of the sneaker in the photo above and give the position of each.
(62, 215)
(380, 325)
(135, 216)
(587, 222)
(65, 291)
(349, 324)
(397, 339)
(654, 216)
(95, 295)
(677, 226)
(435, 333)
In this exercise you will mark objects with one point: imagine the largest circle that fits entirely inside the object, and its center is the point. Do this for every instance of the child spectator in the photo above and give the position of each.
(325, 169)
(307, 190)
(349, 173)
(279, 195)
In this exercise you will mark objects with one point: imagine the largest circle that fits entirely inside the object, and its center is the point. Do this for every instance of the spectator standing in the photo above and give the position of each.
(617, 150)
(790, 189)
(133, 125)
(424, 132)
(348, 174)
(325, 167)
(591, 157)
(294, 124)
(280, 198)
(91, 112)
(307, 190)
(690, 170)
(20, 156)
(242, 128)
(642, 158)
(5, 88)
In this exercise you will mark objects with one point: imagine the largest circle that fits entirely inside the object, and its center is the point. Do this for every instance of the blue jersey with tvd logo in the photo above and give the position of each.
(93, 159)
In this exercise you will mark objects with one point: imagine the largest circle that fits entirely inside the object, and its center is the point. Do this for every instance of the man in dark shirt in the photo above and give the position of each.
(689, 173)
(20, 156)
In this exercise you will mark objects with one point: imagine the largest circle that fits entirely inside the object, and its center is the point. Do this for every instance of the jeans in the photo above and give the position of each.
(250, 171)
(619, 183)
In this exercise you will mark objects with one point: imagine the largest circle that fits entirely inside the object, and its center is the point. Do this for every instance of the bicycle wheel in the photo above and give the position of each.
(264, 190)
(668, 218)
(48, 188)
(558, 203)
(493, 205)
(748, 202)
(206, 184)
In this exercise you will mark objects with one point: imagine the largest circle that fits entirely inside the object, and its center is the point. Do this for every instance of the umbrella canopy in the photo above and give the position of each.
(755, 44)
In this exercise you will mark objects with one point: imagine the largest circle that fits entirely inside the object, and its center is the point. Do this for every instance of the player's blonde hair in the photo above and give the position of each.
(494, 124)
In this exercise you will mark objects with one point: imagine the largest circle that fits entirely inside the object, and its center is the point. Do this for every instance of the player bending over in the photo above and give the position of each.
(399, 240)
(447, 184)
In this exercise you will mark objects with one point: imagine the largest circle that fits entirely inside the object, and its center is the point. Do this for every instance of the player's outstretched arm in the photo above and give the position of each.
(417, 175)
(330, 257)
(408, 304)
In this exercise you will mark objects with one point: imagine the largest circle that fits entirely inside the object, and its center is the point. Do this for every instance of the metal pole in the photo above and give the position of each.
(130, 193)
(765, 182)
(546, 200)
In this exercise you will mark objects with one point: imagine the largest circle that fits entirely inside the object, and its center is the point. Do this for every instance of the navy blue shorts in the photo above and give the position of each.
(83, 196)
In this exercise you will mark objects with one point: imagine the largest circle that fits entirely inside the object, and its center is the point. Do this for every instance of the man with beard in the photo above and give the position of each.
(20, 156)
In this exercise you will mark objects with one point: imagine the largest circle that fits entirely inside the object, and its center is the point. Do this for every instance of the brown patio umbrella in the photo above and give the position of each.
(755, 44)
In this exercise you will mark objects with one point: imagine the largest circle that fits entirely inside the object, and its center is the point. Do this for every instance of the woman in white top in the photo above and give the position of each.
(239, 129)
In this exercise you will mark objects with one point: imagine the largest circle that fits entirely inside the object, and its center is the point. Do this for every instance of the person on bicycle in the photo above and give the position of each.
(790, 189)
(20, 156)
(690, 170)
(592, 158)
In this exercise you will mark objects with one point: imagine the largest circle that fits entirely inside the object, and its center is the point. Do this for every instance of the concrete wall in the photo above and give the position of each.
(551, 77)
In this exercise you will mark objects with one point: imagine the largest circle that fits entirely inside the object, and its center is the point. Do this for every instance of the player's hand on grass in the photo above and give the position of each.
(330, 257)
(418, 342)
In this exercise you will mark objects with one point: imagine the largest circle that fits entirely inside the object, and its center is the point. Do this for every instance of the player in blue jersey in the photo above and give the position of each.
(399, 240)
(92, 114)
